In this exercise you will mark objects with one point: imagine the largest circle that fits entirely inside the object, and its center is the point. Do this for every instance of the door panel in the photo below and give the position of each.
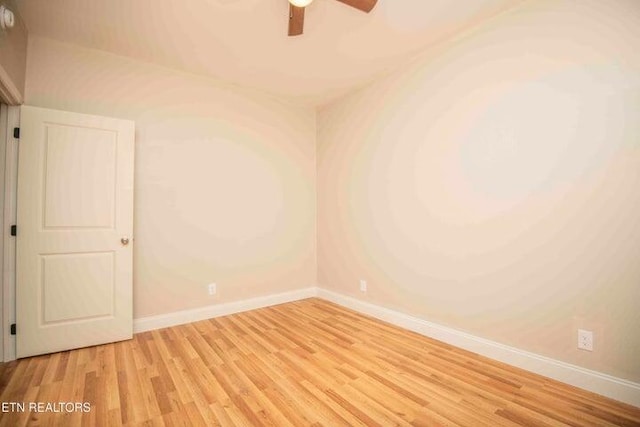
(75, 204)
(67, 274)
(80, 177)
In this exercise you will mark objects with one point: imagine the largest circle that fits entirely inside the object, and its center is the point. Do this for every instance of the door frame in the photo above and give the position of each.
(10, 118)
(3, 144)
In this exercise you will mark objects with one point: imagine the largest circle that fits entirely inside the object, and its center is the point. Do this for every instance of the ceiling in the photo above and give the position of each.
(245, 41)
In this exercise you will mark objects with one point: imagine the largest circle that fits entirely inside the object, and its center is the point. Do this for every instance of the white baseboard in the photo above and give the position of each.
(149, 323)
(597, 382)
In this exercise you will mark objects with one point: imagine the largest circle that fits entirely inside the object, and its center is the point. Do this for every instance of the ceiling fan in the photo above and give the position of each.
(296, 12)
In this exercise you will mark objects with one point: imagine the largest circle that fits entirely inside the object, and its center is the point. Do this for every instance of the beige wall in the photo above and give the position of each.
(224, 178)
(494, 185)
(13, 58)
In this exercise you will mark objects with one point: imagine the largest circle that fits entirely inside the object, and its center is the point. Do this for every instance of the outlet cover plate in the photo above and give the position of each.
(212, 288)
(585, 340)
(363, 286)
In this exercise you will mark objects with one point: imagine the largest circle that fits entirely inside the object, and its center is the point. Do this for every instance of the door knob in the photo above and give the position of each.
(124, 241)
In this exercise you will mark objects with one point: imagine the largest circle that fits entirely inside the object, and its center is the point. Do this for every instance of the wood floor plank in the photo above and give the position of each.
(305, 363)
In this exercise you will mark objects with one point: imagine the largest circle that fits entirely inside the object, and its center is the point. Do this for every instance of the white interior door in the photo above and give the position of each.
(75, 225)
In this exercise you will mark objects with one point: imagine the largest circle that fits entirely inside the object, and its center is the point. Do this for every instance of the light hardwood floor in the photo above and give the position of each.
(304, 363)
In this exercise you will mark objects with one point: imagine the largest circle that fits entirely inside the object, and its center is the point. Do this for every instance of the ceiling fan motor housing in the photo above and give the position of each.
(7, 18)
(296, 12)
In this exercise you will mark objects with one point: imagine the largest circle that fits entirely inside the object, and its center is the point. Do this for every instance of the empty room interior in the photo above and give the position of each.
(320, 212)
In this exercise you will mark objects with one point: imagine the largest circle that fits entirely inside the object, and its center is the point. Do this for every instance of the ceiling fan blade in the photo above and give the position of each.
(296, 20)
(363, 5)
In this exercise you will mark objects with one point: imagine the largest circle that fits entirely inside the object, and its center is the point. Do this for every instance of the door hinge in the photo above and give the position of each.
(14, 230)
(16, 133)
(13, 329)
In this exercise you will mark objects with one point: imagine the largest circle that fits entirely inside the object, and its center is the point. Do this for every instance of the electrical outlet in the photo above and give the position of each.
(212, 288)
(363, 285)
(585, 340)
